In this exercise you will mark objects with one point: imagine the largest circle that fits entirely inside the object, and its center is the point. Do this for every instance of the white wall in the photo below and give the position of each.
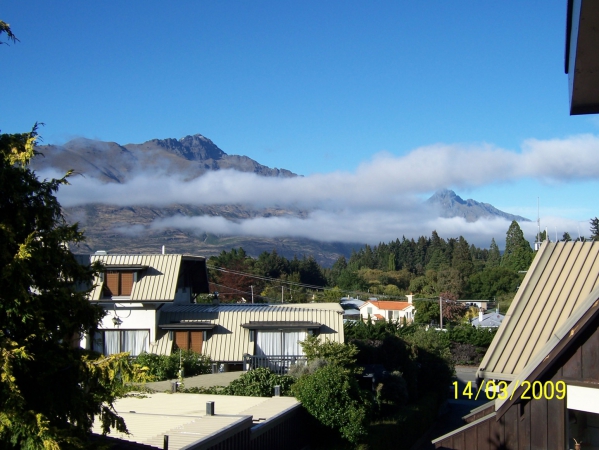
(133, 316)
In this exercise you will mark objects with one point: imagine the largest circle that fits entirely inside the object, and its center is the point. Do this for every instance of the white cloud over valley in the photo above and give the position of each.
(380, 201)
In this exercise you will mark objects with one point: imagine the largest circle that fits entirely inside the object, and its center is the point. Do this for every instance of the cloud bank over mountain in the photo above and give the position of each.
(382, 200)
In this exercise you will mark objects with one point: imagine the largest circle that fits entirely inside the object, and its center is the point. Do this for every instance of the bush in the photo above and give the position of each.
(162, 367)
(466, 354)
(466, 334)
(343, 355)
(332, 396)
(433, 358)
(259, 382)
(297, 370)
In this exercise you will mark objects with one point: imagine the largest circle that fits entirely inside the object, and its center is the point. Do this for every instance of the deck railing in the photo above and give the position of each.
(277, 363)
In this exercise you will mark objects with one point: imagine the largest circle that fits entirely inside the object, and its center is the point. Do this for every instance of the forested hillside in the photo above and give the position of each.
(427, 267)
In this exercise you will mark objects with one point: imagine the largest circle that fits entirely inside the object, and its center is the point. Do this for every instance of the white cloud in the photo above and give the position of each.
(378, 202)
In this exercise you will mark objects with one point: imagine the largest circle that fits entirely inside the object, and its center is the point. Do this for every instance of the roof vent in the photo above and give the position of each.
(101, 252)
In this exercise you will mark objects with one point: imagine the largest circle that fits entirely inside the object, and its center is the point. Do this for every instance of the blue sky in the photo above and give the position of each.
(319, 88)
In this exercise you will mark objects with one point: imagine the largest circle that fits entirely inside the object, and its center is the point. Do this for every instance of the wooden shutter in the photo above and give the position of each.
(195, 341)
(126, 283)
(182, 340)
(111, 283)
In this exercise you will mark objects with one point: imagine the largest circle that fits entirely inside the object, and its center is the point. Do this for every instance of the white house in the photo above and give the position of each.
(387, 310)
(150, 307)
(133, 289)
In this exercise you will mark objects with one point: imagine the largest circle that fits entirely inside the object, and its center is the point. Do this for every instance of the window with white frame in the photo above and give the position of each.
(279, 343)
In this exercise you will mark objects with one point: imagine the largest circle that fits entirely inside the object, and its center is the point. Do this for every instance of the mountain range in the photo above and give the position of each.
(190, 156)
(125, 228)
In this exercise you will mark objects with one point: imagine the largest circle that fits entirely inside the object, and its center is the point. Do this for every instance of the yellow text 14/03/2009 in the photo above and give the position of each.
(503, 390)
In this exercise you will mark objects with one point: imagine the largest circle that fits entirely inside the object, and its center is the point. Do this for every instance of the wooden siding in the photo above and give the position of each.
(536, 424)
(229, 341)
(480, 412)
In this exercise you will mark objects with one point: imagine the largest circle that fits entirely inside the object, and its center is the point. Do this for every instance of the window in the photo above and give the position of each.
(279, 343)
(109, 342)
(118, 283)
(189, 340)
(369, 310)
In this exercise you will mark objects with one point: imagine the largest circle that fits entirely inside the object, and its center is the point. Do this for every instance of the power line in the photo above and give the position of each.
(263, 278)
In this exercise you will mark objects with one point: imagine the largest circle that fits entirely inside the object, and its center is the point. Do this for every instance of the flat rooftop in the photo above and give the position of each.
(183, 416)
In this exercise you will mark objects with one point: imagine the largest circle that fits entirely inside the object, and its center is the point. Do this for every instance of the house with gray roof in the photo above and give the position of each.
(491, 319)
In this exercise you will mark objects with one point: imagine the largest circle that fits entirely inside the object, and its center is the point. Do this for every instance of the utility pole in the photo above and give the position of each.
(441, 311)
(282, 290)
(252, 288)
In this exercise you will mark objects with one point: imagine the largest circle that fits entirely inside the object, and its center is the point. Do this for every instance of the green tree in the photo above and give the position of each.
(494, 258)
(451, 280)
(518, 255)
(333, 397)
(493, 282)
(462, 258)
(427, 311)
(566, 237)
(51, 389)
(595, 229)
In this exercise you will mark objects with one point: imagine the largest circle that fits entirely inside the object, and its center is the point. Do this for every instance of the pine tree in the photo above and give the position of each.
(494, 258)
(50, 388)
(595, 229)
(518, 255)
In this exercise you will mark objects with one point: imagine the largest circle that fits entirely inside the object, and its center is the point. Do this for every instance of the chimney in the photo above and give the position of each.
(410, 297)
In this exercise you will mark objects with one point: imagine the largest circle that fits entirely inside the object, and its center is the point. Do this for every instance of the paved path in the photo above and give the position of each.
(209, 380)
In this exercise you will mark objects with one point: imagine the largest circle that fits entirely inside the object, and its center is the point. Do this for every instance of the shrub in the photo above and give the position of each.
(466, 334)
(332, 396)
(466, 354)
(162, 367)
(259, 382)
(297, 370)
(343, 355)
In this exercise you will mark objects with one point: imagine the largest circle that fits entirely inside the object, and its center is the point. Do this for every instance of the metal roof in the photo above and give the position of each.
(157, 282)
(229, 340)
(559, 280)
(492, 319)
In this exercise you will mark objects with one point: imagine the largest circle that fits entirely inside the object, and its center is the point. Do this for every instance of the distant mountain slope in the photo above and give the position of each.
(129, 228)
(190, 156)
(449, 204)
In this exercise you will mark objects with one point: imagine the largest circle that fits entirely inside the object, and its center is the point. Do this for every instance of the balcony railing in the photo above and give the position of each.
(277, 363)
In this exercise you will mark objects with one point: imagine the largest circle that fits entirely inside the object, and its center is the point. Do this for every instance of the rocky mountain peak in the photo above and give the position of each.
(192, 148)
(450, 204)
